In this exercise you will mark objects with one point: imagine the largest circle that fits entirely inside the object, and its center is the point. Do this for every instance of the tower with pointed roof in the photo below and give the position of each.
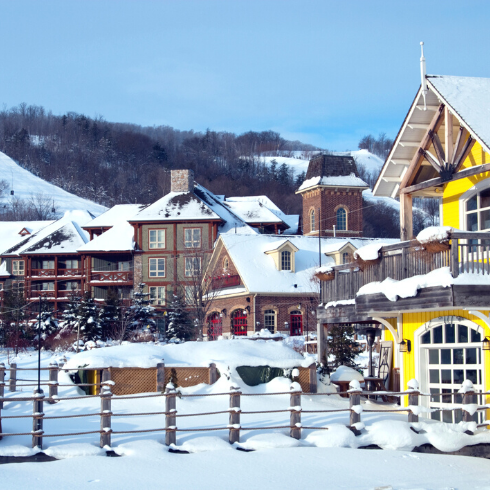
(332, 197)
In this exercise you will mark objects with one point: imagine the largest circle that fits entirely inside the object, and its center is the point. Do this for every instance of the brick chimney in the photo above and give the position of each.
(182, 181)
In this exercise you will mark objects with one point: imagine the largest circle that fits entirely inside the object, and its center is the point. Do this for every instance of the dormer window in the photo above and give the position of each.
(341, 219)
(285, 260)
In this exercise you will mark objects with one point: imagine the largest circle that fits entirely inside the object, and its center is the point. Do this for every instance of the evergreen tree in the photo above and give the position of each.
(69, 315)
(342, 346)
(140, 315)
(180, 327)
(12, 327)
(45, 320)
(109, 314)
(89, 319)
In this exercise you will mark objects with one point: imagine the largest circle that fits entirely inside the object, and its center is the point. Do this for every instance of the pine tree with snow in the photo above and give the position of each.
(141, 310)
(109, 314)
(180, 326)
(69, 316)
(342, 346)
(88, 317)
(45, 320)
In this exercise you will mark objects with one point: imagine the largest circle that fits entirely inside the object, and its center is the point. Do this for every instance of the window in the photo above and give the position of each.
(71, 264)
(478, 211)
(192, 266)
(285, 260)
(345, 258)
(47, 286)
(341, 219)
(312, 220)
(18, 286)
(190, 295)
(69, 286)
(270, 320)
(157, 238)
(18, 268)
(226, 264)
(157, 295)
(157, 268)
(47, 264)
(192, 238)
(123, 266)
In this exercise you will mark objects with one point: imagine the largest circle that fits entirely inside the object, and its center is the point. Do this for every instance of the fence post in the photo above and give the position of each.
(469, 398)
(295, 411)
(355, 402)
(413, 399)
(161, 376)
(234, 419)
(313, 380)
(454, 257)
(37, 419)
(53, 380)
(2, 384)
(105, 411)
(213, 373)
(13, 376)
(170, 419)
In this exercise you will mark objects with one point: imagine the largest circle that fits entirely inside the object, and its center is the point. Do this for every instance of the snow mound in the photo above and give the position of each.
(345, 373)
(369, 252)
(434, 234)
(337, 435)
(202, 444)
(74, 450)
(273, 440)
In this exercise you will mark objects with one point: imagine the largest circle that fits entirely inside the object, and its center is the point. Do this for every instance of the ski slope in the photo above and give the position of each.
(26, 186)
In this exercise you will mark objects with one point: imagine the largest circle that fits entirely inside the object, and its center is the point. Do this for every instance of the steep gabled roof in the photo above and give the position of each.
(118, 213)
(467, 98)
(120, 238)
(11, 232)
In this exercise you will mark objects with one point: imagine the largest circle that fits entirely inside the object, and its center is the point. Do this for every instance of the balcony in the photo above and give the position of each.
(221, 282)
(118, 277)
(53, 273)
(464, 252)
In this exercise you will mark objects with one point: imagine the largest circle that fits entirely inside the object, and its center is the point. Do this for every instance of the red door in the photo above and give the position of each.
(296, 324)
(238, 323)
(215, 326)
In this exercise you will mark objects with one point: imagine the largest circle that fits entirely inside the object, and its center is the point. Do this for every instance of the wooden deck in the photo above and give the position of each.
(466, 252)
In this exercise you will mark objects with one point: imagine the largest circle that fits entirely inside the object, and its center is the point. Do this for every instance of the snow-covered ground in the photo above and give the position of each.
(325, 458)
(26, 186)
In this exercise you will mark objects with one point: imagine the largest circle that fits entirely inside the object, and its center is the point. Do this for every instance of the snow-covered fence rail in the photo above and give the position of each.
(237, 416)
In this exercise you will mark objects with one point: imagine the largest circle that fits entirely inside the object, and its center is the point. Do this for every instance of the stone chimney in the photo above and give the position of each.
(182, 181)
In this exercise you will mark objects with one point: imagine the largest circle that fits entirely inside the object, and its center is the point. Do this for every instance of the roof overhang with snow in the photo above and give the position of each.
(435, 138)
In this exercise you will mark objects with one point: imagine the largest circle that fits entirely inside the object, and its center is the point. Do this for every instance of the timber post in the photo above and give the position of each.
(161, 376)
(355, 403)
(105, 414)
(454, 257)
(295, 411)
(234, 418)
(170, 419)
(37, 419)
(469, 400)
(213, 373)
(13, 376)
(2, 384)
(53, 381)
(312, 378)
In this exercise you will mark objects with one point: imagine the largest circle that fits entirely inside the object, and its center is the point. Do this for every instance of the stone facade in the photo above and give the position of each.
(182, 181)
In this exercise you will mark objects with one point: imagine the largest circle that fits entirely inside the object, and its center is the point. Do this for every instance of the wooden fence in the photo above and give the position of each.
(233, 412)
(467, 252)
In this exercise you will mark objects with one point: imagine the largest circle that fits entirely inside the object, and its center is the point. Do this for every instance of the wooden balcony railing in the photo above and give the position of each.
(42, 273)
(221, 282)
(468, 252)
(112, 276)
(43, 294)
(53, 272)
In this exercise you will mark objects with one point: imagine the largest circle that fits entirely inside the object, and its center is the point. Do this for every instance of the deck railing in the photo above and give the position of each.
(466, 252)
(112, 276)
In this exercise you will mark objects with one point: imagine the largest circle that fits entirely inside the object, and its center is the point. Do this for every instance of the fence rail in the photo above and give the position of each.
(465, 252)
(234, 426)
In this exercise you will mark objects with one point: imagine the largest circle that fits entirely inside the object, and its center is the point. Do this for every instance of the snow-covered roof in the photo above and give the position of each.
(29, 186)
(258, 270)
(10, 231)
(120, 238)
(253, 212)
(62, 236)
(118, 213)
(467, 98)
(334, 181)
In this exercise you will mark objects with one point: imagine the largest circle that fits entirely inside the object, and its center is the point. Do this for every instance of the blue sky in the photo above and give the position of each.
(324, 72)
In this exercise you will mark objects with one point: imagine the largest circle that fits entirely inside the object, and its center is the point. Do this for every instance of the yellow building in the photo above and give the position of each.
(432, 296)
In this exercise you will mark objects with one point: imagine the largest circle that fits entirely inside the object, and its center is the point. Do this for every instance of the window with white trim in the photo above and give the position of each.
(270, 320)
(192, 266)
(285, 260)
(341, 219)
(312, 220)
(477, 211)
(18, 267)
(345, 258)
(190, 295)
(157, 239)
(157, 295)
(156, 267)
(192, 238)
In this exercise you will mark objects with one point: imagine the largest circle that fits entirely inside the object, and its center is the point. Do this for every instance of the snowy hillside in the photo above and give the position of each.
(26, 185)
(370, 162)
